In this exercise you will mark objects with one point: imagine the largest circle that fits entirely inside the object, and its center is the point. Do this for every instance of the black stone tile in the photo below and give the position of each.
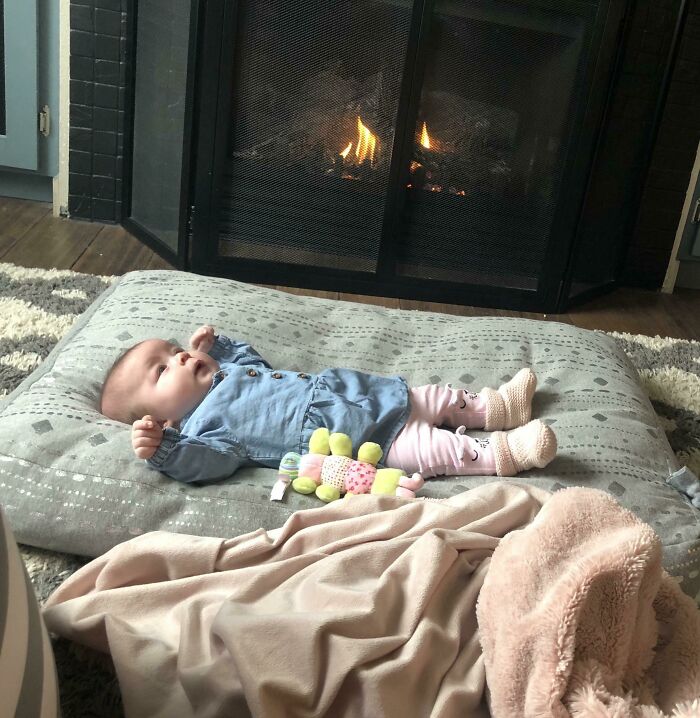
(98, 100)
(105, 165)
(103, 210)
(107, 72)
(80, 116)
(82, 68)
(80, 206)
(106, 96)
(81, 92)
(82, 43)
(79, 184)
(81, 18)
(107, 48)
(80, 162)
(80, 139)
(104, 119)
(103, 187)
(105, 142)
(108, 22)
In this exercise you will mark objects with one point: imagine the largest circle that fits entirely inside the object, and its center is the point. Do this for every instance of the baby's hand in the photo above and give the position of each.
(203, 339)
(146, 435)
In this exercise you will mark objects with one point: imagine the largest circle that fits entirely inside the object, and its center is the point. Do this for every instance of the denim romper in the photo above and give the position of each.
(254, 414)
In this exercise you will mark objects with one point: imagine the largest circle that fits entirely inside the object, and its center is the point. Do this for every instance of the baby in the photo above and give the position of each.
(198, 414)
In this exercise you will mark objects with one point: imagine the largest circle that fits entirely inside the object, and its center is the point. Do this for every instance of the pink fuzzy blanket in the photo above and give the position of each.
(592, 627)
(368, 607)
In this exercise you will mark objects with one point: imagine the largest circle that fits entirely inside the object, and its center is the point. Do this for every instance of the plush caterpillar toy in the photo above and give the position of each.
(329, 470)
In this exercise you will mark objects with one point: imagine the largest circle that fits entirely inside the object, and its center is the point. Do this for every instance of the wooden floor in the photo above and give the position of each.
(30, 236)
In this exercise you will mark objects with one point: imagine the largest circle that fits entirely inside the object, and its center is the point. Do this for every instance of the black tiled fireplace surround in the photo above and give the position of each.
(98, 57)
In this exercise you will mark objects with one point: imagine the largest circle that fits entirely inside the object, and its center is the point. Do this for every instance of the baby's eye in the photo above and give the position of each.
(161, 369)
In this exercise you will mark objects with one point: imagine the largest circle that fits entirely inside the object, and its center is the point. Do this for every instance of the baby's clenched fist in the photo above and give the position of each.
(203, 339)
(146, 435)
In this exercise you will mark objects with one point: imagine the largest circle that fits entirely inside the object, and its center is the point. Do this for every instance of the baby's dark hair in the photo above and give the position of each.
(122, 412)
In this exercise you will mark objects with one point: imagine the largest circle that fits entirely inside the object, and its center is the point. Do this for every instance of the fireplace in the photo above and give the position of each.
(433, 150)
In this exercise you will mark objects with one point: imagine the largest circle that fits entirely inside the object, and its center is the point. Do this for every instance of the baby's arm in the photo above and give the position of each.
(212, 456)
(206, 458)
(224, 349)
(209, 457)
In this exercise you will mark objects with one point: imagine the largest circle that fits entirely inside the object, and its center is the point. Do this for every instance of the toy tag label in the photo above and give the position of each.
(278, 491)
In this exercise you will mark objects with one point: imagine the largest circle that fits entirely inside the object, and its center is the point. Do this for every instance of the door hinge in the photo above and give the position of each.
(190, 220)
(45, 121)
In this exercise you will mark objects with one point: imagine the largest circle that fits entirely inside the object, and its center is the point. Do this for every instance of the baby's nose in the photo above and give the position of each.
(182, 357)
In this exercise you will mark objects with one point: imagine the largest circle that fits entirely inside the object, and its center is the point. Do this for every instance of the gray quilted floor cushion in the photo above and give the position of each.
(69, 480)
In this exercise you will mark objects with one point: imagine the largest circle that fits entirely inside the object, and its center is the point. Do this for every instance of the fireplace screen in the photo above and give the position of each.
(430, 149)
(492, 134)
(316, 96)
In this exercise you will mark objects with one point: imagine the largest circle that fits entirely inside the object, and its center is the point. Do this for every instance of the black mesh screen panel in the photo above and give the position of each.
(314, 106)
(501, 85)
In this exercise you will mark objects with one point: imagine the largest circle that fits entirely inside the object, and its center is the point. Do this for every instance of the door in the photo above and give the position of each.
(18, 84)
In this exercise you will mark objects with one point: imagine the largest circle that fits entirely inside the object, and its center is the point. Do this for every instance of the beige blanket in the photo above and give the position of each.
(365, 607)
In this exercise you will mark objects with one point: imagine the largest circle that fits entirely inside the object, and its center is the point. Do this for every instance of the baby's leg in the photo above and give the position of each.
(422, 447)
(504, 408)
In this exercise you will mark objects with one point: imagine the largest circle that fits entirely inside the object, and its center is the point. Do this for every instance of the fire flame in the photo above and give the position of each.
(344, 154)
(366, 144)
(425, 137)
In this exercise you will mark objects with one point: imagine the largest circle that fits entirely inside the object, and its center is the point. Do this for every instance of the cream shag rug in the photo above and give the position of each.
(37, 307)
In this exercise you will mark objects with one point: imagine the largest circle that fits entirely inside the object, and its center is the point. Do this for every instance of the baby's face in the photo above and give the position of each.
(166, 379)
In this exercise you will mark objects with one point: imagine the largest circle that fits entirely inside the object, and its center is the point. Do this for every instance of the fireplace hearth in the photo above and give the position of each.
(428, 149)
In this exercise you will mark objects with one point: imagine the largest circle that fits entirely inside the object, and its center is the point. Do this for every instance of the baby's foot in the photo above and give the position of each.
(511, 404)
(532, 445)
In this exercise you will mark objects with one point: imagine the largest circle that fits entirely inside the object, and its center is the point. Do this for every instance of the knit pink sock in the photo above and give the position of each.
(529, 446)
(511, 404)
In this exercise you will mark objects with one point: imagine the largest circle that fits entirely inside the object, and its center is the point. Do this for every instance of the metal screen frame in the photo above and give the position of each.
(212, 106)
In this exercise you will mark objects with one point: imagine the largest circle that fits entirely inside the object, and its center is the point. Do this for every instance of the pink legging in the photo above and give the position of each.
(422, 446)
